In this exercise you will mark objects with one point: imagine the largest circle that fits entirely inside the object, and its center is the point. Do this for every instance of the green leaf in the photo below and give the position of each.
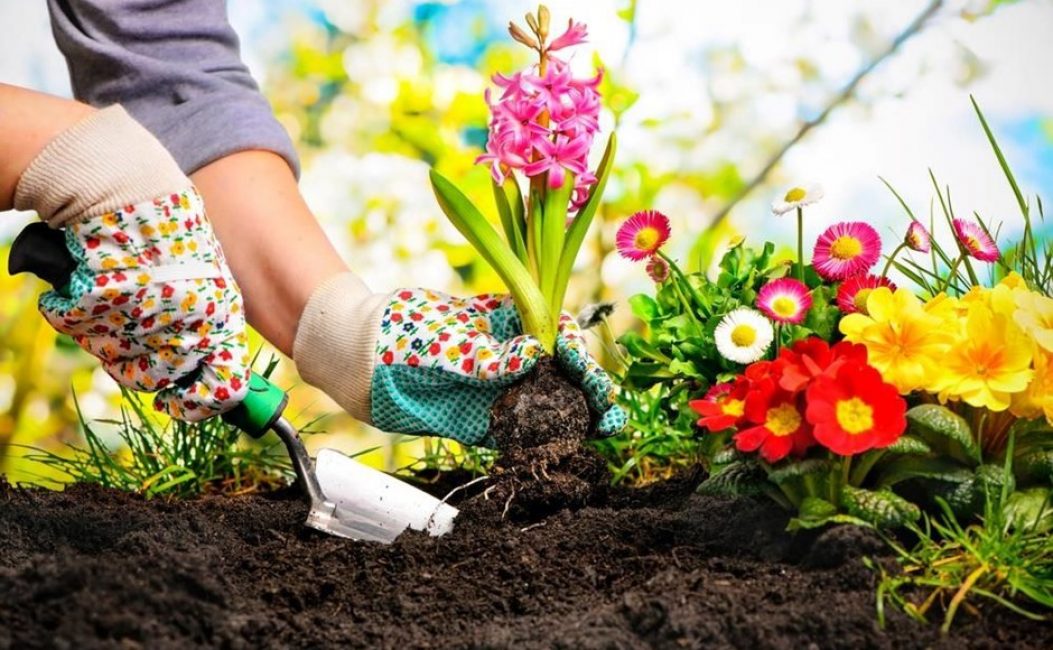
(823, 317)
(534, 310)
(943, 430)
(883, 508)
(1035, 466)
(1031, 509)
(1001, 159)
(575, 235)
(816, 513)
(509, 202)
(644, 307)
(799, 469)
(553, 234)
(909, 467)
(639, 347)
(738, 478)
(908, 446)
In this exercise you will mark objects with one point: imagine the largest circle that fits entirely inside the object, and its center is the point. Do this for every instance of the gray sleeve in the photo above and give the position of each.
(175, 66)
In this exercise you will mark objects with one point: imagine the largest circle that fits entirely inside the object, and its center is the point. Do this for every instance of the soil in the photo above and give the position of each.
(660, 567)
(539, 425)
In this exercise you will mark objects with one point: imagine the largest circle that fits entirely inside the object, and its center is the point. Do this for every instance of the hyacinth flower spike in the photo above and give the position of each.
(543, 123)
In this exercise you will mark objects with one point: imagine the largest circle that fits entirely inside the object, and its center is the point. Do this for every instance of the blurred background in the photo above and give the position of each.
(719, 106)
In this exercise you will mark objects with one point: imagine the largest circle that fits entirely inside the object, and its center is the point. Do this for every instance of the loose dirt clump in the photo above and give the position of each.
(539, 426)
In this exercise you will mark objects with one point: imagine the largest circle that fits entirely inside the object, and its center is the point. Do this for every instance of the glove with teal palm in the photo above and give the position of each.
(438, 362)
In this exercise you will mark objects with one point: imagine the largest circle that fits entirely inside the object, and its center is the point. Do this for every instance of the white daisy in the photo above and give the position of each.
(743, 335)
(797, 197)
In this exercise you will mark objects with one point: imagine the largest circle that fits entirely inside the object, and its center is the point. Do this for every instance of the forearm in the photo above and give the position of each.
(277, 250)
(28, 122)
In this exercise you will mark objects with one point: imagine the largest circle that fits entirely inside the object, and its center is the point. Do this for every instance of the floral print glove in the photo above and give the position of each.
(442, 361)
(153, 299)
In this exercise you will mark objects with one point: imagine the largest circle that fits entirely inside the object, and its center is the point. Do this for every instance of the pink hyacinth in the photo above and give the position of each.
(975, 240)
(545, 124)
(575, 35)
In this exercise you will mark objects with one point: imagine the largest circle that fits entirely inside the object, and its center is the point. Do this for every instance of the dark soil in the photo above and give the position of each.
(660, 567)
(539, 425)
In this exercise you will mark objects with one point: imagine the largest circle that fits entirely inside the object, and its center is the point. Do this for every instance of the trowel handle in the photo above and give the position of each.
(261, 408)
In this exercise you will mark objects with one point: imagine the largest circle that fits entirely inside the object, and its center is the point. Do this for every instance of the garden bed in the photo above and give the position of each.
(659, 567)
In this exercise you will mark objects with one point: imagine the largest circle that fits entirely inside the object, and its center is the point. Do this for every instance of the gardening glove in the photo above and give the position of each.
(151, 295)
(423, 362)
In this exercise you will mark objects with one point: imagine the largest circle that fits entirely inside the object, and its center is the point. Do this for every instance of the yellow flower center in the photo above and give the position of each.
(795, 194)
(846, 247)
(782, 420)
(972, 243)
(646, 238)
(784, 306)
(734, 407)
(854, 415)
(860, 299)
(743, 335)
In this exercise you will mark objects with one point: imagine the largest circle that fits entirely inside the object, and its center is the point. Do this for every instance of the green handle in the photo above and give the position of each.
(260, 409)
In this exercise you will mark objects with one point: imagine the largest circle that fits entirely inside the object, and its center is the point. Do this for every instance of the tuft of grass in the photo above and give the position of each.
(161, 457)
(443, 455)
(1003, 560)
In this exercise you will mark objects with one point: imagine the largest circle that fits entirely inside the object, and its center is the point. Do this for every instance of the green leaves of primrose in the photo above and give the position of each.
(944, 431)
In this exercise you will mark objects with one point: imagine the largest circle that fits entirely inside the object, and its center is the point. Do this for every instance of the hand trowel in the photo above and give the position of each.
(347, 498)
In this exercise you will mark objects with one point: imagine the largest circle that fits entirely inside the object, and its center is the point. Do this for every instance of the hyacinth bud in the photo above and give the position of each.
(542, 22)
(526, 39)
(532, 22)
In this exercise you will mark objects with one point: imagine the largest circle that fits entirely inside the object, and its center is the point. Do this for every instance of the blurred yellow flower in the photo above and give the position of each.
(1037, 400)
(904, 342)
(1034, 314)
(990, 362)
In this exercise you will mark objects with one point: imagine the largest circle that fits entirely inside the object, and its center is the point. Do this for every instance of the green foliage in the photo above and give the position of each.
(169, 458)
(1004, 559)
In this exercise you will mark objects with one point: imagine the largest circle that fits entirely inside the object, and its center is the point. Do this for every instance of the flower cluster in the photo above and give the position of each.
(991, 348)
(811, 394)
(544, 120)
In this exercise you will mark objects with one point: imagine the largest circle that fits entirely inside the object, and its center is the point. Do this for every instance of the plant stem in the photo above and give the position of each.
(800, 244)
(895, 252)
(681, 278)
(950, 275)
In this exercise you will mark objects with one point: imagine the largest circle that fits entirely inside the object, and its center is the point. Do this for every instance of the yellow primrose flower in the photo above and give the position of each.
(1037, 400)
(990, 362)
(1014, 281)
(1034, 314)
(904, 342)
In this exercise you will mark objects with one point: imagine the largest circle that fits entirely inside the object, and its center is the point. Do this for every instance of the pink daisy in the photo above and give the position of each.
(853, 293)
(918, 239)
(785, 300)
(642, 235)
(658, 269)
(975, 240)
(846, 249)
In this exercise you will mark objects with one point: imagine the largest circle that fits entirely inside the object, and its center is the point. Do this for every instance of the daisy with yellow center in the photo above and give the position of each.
(743, 335)
(845, 250)
(796, 198)
(642, 235)
(785, 300)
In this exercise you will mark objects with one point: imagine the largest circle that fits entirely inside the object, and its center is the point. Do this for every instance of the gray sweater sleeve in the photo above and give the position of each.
(175, 66)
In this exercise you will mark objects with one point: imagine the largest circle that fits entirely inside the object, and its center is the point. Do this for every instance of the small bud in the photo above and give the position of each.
(526, 39)
(542, 22)
(532, 22)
